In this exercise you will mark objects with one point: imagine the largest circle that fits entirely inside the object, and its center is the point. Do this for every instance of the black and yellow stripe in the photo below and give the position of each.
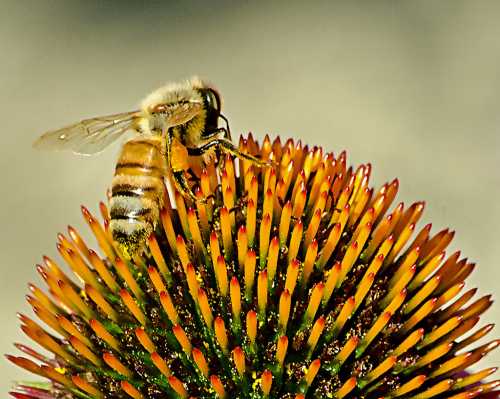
(137, 193)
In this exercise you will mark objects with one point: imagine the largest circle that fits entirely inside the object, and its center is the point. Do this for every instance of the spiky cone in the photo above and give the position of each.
(298, 281)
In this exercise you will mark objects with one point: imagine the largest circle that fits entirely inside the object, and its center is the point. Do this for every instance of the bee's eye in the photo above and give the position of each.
(213, 100)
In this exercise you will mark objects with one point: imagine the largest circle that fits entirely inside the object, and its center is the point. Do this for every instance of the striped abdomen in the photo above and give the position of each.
(137, 192)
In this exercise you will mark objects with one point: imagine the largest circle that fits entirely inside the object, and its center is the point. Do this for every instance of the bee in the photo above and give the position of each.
(174, 122)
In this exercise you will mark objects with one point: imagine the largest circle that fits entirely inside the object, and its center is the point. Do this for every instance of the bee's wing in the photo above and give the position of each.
(179, 113)
(89, 136)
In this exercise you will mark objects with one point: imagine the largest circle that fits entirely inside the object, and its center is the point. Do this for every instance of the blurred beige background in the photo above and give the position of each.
(411, 86)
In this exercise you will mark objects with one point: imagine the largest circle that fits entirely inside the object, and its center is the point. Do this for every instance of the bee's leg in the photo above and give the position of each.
(181, 184)
(227, 146)
(192, 175)
(178, 174)
(198, 151)
(218, 133)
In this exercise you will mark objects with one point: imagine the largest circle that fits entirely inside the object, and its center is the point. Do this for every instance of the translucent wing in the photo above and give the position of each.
(178, 113)
(89, 136)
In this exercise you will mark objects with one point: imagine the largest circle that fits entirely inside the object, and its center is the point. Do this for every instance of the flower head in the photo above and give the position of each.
(298, 281)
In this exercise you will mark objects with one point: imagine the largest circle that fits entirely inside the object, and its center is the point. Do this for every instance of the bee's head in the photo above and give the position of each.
(212, 104)
(212, 100)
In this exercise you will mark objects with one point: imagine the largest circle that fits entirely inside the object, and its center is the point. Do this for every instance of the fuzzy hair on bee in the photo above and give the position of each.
(156, 105)
(174, 124)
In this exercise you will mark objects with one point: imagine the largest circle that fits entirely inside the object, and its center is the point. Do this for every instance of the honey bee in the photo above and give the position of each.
(174, 122)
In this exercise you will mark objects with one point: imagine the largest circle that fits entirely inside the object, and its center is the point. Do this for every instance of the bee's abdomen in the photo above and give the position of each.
(137, 193)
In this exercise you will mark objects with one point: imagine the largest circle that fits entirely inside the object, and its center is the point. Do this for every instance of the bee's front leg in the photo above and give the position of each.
(227, 146)
(176, 157)
(182, 185)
